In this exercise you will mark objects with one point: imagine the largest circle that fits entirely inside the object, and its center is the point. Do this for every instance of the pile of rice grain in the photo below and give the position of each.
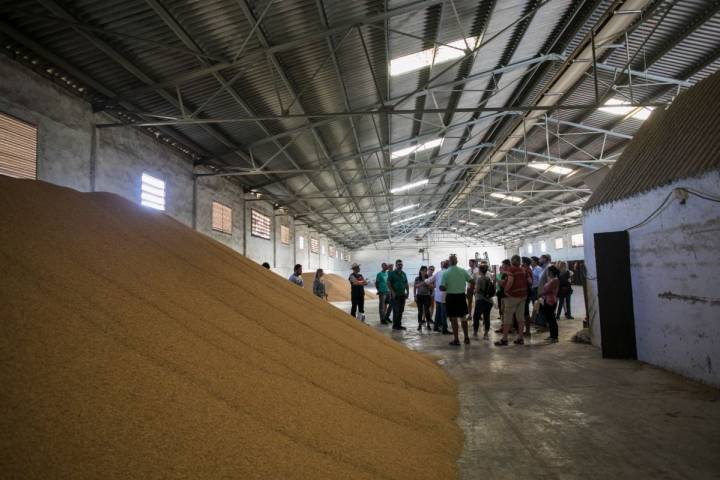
(337, 287)
(134, 347)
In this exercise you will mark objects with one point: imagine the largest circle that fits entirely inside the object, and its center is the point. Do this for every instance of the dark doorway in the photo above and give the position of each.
(617, 319)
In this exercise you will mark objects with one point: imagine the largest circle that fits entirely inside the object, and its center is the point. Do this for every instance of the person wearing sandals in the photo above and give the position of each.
(422, 299)
(454, 283)
(319, 285)
(515, 286)
(548, 299)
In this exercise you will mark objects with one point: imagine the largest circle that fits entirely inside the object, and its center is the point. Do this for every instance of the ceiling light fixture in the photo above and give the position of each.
(397, 222)
(435, 55)
(486, 213)
(509, 198)
(546, 167)
(409, 186)
(417, 148)
(618, 106)
(406, 207)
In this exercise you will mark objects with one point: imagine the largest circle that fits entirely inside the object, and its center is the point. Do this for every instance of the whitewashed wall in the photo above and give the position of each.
(371, 257)
(567, 252)
(674, 268)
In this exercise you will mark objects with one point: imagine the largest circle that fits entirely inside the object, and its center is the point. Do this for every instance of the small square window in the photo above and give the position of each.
(558, 243)
(314, 245)
(577, 240)
(18, 148)
(259, 225)
(152, 192)
(284, 235)
(221, 218)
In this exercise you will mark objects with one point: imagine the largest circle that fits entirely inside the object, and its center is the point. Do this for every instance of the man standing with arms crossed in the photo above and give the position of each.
(381, 285)
(454, 283)
(515, 285)
(399, 291)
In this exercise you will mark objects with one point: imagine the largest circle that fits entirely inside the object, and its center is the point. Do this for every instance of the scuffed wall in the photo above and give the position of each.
(674, 269)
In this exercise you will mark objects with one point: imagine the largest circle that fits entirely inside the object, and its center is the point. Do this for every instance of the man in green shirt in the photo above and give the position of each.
(454, 283)
(399, 290)
(381, 285)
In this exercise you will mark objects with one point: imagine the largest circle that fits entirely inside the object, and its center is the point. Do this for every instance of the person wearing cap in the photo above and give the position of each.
(399, 291)
(357, 292)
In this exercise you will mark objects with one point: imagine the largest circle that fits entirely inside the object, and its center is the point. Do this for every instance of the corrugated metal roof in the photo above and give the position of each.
(680, 142)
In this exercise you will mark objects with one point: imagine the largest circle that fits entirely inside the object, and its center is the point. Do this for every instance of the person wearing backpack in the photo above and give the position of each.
(515, 286)
(484, 293)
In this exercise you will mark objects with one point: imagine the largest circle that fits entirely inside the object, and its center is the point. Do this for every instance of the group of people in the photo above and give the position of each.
(528, 290)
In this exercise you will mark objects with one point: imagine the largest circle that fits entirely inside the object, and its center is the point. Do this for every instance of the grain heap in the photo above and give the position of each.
(134, 347)
(337, 287)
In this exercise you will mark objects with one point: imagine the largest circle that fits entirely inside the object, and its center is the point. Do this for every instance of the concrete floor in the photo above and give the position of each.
(559, 411)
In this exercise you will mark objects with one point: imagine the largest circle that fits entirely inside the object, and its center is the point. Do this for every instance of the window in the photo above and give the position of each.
(221, 218)
(332, 251)
(577, 240)
(18, 148)
(301, 242)
(618, 106)
(314, 245)
(558, 243)
(259, 224)
(152, 192)
(529, 249)
(284, 234)
(543, 246)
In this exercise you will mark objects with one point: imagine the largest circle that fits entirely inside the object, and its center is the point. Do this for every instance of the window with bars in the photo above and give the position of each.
(221, 218)
(18, 148)
(577, 240)
(284, 234)
(152, 192)
(259, 224)
(314, 245)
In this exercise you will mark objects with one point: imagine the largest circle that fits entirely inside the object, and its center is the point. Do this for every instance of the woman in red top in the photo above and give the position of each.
(549, 298)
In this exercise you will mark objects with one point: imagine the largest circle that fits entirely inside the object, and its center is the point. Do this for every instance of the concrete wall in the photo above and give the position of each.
(566, 253)
(674, 270)
(65, 151)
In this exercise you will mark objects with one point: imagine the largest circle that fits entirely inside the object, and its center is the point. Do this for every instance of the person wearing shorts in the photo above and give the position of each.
(454, 283)
(515, 286)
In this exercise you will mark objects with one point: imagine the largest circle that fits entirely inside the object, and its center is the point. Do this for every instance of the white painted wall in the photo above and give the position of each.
(566, 253)
(676, 253)
(372, 256)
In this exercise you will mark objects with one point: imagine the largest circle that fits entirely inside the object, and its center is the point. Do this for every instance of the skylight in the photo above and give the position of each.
(406, 207)
(409, 186)
(546, 167)
(618, 106)
(397, 222)
(435, 55)
(486, 213)
(509, 198)
(417, 148)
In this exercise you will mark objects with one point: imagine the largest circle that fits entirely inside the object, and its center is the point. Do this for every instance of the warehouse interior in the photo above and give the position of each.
(171, 169)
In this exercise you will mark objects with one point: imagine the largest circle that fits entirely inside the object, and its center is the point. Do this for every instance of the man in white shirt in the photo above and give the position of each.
(296, 276)
(439, 295)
